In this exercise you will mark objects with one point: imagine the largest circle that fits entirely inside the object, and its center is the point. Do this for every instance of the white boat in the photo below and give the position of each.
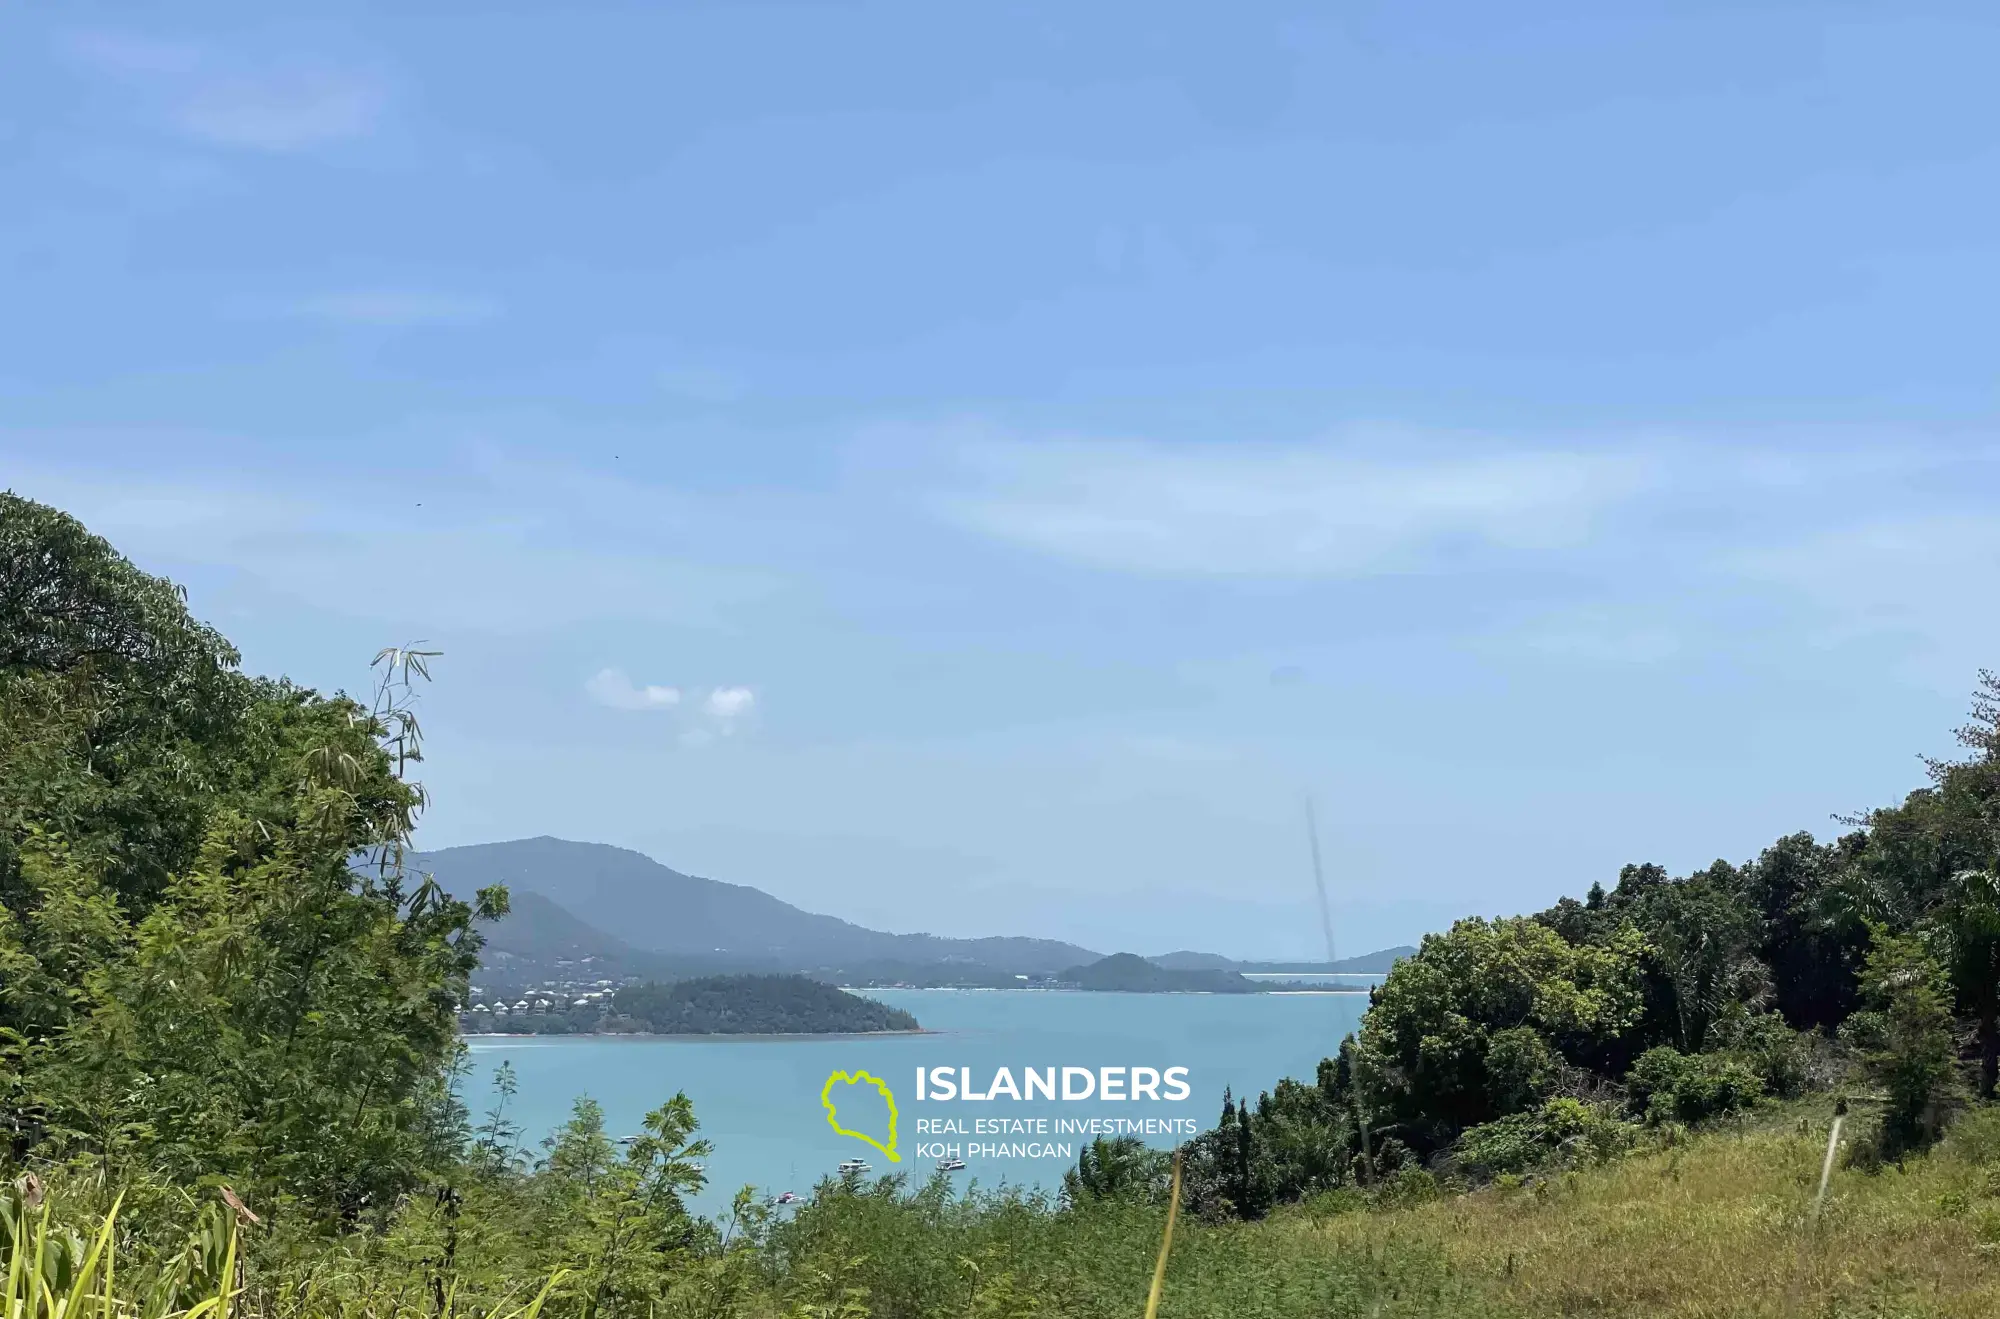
(854, 1165)
(951, 1165)
(788, 1198)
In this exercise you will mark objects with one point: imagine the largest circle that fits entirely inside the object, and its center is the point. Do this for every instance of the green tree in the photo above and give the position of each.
(1931, 866)
(621, 1219)
(1814, 965)
(1426, 1045)
(119, 714)
(212, 961)
(1118, 1167)
(1907, 1040)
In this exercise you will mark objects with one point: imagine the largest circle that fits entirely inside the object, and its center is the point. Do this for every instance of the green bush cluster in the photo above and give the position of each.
(1668, 1085)
(1561, 1131)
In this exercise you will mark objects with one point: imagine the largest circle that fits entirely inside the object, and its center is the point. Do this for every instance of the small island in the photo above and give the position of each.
(706, 1005)
(1131, 974)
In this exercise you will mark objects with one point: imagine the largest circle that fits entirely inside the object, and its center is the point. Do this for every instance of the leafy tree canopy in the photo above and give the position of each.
(1460, 1033)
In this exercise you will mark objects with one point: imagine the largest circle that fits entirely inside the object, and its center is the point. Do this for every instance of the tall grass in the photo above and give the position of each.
(1695, 1227)
(1719, 1225)
(52, 1272)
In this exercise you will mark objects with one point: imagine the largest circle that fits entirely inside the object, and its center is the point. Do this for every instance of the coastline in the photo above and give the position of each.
(1163, 993)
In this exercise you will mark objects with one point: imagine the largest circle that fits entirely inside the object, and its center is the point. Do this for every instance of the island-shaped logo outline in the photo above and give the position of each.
(833, 1115)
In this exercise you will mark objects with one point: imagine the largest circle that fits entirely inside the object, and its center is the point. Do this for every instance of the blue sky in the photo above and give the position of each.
(976, 469)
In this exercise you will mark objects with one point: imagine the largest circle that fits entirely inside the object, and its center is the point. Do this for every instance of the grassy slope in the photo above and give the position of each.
(1715, 1225)
(1719, 1225)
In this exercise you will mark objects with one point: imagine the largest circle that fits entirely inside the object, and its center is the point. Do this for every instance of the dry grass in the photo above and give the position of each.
(1723, 1225)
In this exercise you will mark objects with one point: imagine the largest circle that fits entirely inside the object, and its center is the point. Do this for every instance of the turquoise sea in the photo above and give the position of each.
(758, 1097)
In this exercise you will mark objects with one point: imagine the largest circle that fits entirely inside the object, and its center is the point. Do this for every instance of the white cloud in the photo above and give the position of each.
(729, 703)
(283, 111)
(717, 715)
(1306, 511)
(396, 308)
(610, 687)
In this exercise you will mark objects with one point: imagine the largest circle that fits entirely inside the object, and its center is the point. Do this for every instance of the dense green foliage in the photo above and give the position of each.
(726, 1005)
(1501, 1045)
(211, 962)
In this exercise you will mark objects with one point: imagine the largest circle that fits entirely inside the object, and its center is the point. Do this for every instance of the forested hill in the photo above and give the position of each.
(707, 1005)
(1132, 974)
(658, 910)
(537, 938)
(1375, 963)
(756, 1005)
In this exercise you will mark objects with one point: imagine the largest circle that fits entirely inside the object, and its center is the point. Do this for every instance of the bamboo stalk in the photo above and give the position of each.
(1166, 1243)
(1826, 1166)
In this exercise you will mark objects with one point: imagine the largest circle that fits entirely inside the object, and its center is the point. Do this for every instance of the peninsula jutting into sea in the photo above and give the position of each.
(698, 956)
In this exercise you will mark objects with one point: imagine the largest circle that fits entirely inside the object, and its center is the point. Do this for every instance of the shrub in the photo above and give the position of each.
(1332, 1204)
(1781, 1056)
(1975, 1139)
(1561, 1130)
(1121, 1166)
(1409, 1186)
(1668, 1084)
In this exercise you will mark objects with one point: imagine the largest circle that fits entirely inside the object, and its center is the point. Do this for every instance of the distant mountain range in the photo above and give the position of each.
(567, 895)
(567, 898)
(538, 935)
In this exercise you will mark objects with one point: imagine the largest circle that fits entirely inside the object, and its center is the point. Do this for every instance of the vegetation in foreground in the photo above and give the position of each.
(228, 1016)
(1718, 1223)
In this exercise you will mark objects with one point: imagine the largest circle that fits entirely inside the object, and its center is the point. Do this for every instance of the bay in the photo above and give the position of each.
(758, 1097)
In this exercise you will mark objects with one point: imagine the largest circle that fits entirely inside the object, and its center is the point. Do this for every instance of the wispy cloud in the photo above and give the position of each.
(396, 308)
(1268, 511)
(488, 547)
(1917, 578)
(228, 99)
(610, 687)
(283, 111)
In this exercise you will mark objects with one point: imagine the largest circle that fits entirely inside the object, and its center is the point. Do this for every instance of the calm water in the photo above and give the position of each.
(759, 1098)
(1329, 979)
